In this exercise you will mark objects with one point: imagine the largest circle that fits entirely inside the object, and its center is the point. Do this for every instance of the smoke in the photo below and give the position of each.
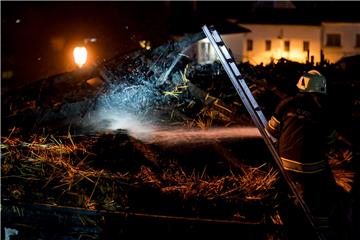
(106, 120)
(127, 107)
(151, 133)
(131, 108)
(136, 99)
(130, 102)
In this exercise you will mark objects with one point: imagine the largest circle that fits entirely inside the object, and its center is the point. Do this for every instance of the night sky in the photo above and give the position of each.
(37, 38)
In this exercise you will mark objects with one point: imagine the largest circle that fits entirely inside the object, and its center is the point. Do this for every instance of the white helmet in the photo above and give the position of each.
(312, 81)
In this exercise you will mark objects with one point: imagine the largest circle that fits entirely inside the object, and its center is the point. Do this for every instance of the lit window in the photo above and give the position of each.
(249, 45)
(333, 40)
(268, 45)
(205, 51)
(205, 48)
(287, 46)
(306, 46)
(357, 41)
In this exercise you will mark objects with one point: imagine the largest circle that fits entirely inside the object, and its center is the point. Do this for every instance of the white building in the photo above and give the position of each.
(270, 42)
(340, 40)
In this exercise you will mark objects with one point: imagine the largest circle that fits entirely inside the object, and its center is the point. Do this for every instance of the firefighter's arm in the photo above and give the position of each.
(273, 127)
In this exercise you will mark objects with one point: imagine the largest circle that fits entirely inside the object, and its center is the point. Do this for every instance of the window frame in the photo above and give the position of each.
(287, 46)
(357, 40)
(307, 44)
(267, 45)
(249, 45)
(331, 41)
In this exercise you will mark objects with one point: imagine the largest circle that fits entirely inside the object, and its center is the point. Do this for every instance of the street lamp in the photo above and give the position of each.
(80, 56)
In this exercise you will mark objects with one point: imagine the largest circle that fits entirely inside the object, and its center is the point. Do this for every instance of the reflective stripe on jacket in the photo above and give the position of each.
(299, 167)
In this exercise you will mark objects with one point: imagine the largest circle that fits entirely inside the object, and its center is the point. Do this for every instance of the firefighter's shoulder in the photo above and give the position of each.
(285, 103)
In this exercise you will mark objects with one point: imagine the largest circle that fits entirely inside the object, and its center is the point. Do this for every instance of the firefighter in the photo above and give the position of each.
(303, 127)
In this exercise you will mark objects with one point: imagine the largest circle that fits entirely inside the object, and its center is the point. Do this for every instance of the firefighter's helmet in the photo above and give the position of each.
(312, 81)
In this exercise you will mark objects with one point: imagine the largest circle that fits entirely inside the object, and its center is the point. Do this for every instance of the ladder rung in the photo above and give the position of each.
(226, 53)
(221, 43)
(217, 37)
(235, 69)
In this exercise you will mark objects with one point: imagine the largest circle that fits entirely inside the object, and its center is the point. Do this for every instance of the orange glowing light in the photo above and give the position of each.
(80, 56)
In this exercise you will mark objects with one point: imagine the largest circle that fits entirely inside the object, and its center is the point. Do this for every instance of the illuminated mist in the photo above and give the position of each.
(127, 107)
(132, 98)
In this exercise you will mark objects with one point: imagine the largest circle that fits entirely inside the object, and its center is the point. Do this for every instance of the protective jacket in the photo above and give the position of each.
(303, 126)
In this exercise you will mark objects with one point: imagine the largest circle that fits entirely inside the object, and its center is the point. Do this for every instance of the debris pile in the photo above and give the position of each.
(65, 172)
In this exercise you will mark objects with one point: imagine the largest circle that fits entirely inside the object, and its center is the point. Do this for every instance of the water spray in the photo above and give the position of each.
(188, 136)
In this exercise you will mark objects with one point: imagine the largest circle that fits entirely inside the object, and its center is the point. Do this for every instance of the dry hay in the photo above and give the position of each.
(339, 161)
(59, 171)
(253, 183)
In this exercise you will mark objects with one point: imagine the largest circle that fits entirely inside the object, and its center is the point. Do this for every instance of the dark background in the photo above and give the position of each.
(37, 38)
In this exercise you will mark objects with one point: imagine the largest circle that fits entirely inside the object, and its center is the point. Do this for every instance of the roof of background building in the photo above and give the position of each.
(224, 26)
(264, 12)
(301, 13)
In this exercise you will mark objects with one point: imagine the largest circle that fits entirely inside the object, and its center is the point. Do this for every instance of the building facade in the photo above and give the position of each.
(301, 43)
(340, 40)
